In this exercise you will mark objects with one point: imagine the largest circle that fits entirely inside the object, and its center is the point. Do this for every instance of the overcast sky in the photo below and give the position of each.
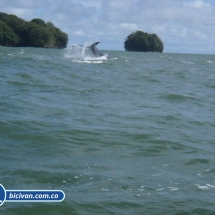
(184, 26)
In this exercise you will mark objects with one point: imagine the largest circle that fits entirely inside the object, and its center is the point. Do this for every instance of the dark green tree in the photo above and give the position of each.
(41, 37)
(50, 25)
(38, 22)
(7, 35)
(61, 38)
(4, 17)
(36, 33)
(143, 42)
(23, 30)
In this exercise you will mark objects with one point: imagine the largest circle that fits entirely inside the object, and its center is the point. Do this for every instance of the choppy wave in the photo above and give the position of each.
(126, 136)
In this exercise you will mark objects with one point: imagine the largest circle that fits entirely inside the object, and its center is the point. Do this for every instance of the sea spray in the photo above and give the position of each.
(81, 53)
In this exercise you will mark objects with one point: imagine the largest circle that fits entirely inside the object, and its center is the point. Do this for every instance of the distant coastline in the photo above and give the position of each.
(16, 32)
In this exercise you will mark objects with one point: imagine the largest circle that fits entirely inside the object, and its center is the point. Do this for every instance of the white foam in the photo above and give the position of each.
(173, 188)
(160, 189)
(156, 175)
(105, 189)
(201, 187)
(209, 185)
(187, 62)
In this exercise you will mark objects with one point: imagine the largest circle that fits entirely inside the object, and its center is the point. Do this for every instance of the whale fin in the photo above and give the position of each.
(96, 51)
(93, 45)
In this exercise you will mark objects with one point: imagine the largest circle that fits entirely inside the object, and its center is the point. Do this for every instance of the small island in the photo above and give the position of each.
(143, 42)
(16, 32)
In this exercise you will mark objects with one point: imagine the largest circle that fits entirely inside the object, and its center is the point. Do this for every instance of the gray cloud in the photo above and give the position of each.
(183, 25)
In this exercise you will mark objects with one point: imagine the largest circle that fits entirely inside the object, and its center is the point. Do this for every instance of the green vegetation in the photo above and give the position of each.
(17, 32)
(143, 42)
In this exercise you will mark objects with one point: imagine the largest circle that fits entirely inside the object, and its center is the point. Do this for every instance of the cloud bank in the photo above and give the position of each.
(183, 25)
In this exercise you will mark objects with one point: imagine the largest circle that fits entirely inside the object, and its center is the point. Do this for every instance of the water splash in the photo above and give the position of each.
(79, 53)
(22, 51)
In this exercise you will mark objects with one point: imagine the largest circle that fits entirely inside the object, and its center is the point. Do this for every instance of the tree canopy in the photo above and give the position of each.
(143, 42)
(17, 32)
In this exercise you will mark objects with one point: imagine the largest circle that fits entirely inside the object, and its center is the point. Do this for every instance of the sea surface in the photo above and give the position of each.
(129, 135)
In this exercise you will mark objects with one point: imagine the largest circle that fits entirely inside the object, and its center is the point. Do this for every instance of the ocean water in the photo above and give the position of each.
(134, 134)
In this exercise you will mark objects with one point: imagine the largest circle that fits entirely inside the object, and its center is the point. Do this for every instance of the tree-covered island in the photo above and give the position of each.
(17, 32)
(143, 42)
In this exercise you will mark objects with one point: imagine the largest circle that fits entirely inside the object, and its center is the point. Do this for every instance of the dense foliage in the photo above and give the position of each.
(143, 42)
(36, 33)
